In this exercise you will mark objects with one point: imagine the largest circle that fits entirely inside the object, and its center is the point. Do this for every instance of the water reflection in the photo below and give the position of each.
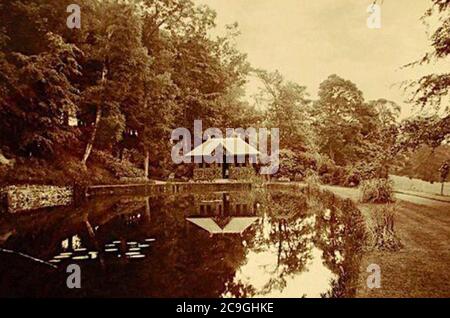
(216, 244)
(223, 213)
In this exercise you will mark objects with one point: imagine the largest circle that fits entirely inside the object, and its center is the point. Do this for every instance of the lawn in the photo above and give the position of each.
(411, 184)
(420, 268)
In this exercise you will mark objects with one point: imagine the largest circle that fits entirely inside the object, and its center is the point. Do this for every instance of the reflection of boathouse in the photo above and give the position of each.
(224, 213)
(225, 204)
(238, 159)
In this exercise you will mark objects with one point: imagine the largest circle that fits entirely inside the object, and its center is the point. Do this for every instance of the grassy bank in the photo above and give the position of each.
(66, 169)
(420, 268)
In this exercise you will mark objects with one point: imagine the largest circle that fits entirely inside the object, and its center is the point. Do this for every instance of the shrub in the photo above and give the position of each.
(325, 170)
(377, 191)
(294, 165)
(381, 228)
(183, 171)
(353, 178)
(339, 176)
(289, 165)
(332, 174)
(325, 179)
(312, 181)
(242, 173)
(120, 169)
(370, 170)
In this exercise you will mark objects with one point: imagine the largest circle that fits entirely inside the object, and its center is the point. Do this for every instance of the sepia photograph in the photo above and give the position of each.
(209, 151)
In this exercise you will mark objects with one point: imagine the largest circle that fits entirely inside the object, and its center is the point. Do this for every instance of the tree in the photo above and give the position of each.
(430, 92)
(117, 57)
(39, 69)
(431, 131)
(430, 89)
(355, 133)
(381, 139)
(286, 105)
(36, 93)
(339, 115)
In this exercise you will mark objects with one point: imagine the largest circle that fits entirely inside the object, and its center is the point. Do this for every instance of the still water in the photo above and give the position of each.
(210, 244)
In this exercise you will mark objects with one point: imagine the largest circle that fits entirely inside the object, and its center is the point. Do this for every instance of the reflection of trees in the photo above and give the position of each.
(212, 263)
(340, 235)
(40, 235)
(286, 228)
(292, 224)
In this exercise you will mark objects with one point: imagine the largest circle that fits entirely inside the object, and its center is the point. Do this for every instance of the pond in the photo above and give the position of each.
(212, 244)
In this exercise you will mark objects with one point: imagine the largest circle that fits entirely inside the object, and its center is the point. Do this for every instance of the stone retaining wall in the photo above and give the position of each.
(170, 187)
(31, 197)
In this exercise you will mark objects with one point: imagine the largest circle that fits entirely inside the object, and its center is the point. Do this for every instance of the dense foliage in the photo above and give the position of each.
(431, 92)
(136, 70)
(130, 74)
(377, 191)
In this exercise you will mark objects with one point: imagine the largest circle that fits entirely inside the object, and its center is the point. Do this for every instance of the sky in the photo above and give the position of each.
(308, 40)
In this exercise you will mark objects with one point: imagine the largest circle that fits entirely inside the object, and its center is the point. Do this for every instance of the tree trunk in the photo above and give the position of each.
(121, 150)
(98, 116)
(147, 209)
(90, 144)
(146, 163)
(442, 188)
(330, 152)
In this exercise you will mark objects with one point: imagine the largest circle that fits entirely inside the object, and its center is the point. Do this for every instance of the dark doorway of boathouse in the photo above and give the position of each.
(225, 168)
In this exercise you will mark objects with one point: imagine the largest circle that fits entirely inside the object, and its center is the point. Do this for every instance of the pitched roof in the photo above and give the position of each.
(233, 146)
(237, 225)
